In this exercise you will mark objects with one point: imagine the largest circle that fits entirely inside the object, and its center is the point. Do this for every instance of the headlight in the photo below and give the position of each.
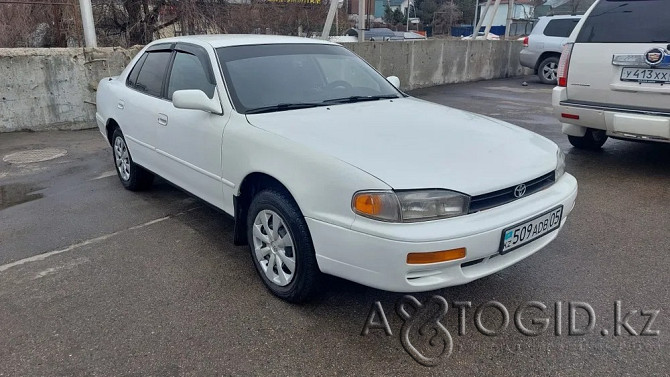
(410, 205)
(560, 165)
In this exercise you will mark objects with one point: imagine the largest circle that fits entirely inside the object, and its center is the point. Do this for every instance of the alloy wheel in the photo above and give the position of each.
(122, 158)
(549, 71)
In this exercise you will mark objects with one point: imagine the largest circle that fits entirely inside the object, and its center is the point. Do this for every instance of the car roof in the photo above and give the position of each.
(226, 40)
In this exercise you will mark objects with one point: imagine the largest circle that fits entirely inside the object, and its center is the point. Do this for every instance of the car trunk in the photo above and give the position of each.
(593, 76)
(627, 30)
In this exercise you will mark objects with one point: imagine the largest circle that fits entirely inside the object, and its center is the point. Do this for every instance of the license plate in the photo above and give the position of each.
(652, 75)
(530, 230)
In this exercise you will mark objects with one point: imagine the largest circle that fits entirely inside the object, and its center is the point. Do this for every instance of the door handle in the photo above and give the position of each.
(162, 119)
(121, 104)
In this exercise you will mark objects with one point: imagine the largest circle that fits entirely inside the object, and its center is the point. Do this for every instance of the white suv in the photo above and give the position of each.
(614, 74)
(542, 48)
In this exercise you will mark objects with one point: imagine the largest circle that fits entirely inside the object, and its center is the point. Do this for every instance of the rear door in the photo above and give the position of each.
(137, 104)
(608, 64)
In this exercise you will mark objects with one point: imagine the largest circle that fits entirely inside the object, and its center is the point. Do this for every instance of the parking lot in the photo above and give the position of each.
(95, 279)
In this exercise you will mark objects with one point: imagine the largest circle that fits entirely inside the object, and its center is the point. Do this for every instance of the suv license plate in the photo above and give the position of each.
(530, 230)
(652, 75)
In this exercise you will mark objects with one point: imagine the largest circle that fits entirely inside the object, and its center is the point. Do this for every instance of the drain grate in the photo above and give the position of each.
(34, 155)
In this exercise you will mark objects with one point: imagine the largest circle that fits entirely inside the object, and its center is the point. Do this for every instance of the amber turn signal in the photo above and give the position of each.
(368, 203)
(435, 256)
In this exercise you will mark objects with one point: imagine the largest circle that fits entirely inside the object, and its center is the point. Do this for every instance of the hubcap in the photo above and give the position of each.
(122, 158)
(549, 71)
(273, 247)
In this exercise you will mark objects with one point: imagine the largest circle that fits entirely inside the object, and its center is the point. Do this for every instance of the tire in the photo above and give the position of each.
(546, 71)
(132, 176)
(592, 139)
(276, 208)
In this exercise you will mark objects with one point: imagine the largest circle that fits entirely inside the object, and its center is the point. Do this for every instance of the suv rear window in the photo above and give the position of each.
(560, 28)
(632, 21)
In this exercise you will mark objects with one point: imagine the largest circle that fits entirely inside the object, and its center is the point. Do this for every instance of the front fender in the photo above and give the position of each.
(323, 186)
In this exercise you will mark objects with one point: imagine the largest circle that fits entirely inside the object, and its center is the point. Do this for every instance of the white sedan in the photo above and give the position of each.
(327, 167)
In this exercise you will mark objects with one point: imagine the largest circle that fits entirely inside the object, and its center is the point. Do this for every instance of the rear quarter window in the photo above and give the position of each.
(632, 21)
(132, 77)
(560, 28)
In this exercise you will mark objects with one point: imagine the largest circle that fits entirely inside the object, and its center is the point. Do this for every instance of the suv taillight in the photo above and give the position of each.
(564, 65)
(525, 42)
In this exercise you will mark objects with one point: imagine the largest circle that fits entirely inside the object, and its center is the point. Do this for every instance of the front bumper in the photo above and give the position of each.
(618, 121)
(375, 253)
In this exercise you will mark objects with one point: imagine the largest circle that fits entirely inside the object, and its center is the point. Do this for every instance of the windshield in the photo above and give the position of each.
(277, 77)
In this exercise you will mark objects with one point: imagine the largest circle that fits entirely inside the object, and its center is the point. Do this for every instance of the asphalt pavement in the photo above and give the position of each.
(97, 280)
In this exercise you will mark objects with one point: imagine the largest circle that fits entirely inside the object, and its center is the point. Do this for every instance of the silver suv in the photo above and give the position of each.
(614, 74)
(544, 44)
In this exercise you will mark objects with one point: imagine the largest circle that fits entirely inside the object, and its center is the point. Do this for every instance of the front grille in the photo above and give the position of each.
(504, 196)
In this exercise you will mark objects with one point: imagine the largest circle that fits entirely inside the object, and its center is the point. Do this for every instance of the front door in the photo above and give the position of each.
(189, 141)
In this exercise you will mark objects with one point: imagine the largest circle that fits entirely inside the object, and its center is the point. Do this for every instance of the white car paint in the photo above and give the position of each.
(324, 155)
(596, 94)
(433, 135)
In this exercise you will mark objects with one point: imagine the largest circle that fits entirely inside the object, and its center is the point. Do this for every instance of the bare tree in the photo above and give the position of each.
(446, 16)
(132, 22)
(129, 22)
(38, 25)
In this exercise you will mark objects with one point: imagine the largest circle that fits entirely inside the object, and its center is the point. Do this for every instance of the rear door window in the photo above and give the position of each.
(560, 28)
(632, 21)
(152, 73)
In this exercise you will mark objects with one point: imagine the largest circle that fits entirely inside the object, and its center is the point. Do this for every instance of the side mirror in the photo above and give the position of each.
(395, 81)
(194, 99)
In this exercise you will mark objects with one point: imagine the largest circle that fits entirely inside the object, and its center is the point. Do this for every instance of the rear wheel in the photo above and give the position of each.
(281, 246)
(547, 70)
(592, 139)
(132, 176)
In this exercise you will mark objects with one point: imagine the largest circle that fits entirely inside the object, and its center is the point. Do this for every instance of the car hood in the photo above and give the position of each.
(410, 143)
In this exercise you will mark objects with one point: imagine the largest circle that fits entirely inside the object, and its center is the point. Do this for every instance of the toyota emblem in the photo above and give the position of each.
(520, 191)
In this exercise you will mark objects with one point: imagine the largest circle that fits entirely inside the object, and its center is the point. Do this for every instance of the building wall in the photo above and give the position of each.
(370, 6)
(55, 88)
(500, 18)
(379, 8)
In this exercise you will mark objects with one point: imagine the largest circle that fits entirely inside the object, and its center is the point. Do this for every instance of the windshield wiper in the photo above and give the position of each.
(282, 107)
(353, 99)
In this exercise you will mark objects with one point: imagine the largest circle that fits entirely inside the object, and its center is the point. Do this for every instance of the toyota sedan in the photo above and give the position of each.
(327, 167)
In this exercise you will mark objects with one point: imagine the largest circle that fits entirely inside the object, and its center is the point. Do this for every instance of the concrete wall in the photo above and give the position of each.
(420, 64)
(54, 88)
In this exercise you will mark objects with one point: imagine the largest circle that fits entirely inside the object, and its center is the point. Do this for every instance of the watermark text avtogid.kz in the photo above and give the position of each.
(425, 322)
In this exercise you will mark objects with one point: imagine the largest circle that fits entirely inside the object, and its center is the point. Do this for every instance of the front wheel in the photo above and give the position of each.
(133, 177)
(592, 139)
(281, 246)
